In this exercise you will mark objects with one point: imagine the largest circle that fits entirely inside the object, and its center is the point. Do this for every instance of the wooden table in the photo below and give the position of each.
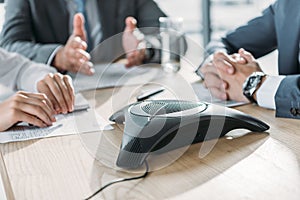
(254, 166)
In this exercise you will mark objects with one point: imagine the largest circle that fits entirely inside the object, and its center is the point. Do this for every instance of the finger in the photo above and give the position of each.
(208, 68)
(57, 93)
(64, 90)
(130, 24)
(68, 82)
(41, 101)
(79, 60)
(78, 26)
(82, 54)
(218, 93)
(224, 62)
(78, 43)
(30, 119)
(42, 97)
(86, 68)
(213, 81)
(34, 110)
(246, 55)
(239, 58)
(44, 88)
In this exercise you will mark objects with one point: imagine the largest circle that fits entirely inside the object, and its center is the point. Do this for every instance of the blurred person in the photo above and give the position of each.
(277, 28)
(54, 33)
(56, 93)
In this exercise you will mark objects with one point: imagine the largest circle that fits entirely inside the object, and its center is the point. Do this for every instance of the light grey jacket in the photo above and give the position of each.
(19, 73)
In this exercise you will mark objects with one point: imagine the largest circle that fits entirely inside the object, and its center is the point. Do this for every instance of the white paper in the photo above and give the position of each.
(116, 74)
(203, 94)
(80, 103)
(82, 120)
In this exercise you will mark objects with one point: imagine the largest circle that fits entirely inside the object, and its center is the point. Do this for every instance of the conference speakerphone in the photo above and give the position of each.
(163, 125)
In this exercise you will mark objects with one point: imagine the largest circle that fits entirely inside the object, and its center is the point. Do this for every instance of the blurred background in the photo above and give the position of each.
(224, 15)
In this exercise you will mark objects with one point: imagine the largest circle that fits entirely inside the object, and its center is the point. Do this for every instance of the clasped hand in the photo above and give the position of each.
(225, 75)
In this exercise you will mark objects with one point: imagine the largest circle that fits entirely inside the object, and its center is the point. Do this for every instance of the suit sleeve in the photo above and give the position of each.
(287, 98)
(19, 73)
(258, 36)
(18, 32)
(148, 13)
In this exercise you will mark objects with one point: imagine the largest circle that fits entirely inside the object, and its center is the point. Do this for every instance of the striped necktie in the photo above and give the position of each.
(81, 9)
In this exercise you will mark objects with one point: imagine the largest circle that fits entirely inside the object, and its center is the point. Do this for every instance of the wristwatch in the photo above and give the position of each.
(251, 84)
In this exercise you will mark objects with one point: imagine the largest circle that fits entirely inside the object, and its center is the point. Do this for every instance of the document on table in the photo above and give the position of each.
(78, 122)
(115, 74)
(203, 94)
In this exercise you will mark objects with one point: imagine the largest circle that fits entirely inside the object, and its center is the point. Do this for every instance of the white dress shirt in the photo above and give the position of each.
(266, 93)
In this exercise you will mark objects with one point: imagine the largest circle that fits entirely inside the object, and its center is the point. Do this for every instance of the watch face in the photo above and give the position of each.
(251, 84)
(253, 81)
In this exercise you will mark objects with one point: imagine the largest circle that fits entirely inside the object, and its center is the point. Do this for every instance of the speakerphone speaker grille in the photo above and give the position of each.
(167, 107)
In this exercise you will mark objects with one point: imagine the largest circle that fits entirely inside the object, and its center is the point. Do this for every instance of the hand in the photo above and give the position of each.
(73, 56)
(59, 90)
(213, 81)
(135, 52)
(35, 109)
(242, 71)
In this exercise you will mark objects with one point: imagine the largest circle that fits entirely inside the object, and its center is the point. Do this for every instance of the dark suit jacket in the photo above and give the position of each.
(35, 28)
(277, 28)
(287, 98)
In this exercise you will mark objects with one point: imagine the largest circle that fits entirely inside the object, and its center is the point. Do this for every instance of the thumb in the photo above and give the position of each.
(246, 55)
(130, 24)
(78, 26)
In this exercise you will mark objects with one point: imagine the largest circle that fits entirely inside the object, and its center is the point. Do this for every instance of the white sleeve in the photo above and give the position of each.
(50, 60)
(266, 93)
(19, 73)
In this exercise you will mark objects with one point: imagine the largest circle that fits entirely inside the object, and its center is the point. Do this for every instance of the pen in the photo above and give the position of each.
(149, 93)
(197, 71)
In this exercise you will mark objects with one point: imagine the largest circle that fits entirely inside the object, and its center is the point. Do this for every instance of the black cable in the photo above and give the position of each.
(119, 181)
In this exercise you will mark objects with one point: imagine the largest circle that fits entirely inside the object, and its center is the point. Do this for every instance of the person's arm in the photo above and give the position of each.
(287, 98)
(32, 108)
(17, 34)
(265, 94)
(258, 36)
(148, 14)
(19, 73)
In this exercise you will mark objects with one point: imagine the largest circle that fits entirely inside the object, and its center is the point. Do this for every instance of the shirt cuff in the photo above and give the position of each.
(266, 93)
(51, 57)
